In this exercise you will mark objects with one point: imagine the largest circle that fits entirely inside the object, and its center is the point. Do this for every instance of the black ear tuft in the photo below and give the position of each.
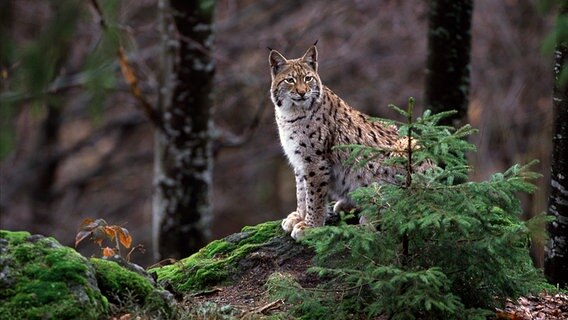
(311, 58)
(315, 43)
(270, 49)
(277, 61)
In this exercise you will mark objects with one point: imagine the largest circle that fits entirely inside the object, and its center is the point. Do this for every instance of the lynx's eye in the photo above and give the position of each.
(290, 80)
(308, 78)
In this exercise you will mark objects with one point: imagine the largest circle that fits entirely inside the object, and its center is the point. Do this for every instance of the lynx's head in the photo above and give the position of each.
(295, 82)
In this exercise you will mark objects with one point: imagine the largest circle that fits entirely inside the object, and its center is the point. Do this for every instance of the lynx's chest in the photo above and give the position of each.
(291, 147)
(303, 138)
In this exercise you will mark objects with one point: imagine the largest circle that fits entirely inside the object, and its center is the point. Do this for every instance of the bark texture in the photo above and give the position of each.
(183, 158)
(448, 62)
(556, 259)
(45, 165)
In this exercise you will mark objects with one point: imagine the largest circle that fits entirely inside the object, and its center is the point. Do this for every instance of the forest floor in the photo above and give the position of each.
(249, 296)
(543, 307)
(250, 299)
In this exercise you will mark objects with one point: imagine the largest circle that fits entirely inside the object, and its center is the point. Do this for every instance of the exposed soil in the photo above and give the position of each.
(248, 294)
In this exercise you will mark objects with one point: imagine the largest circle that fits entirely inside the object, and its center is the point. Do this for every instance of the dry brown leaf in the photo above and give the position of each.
(108, 252)
(542, 307)
(124, 237)
(81, 235)
(128, 73)
(110, 232)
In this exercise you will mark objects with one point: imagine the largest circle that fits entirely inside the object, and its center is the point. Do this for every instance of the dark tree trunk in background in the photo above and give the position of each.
(53, 43)
(183, 161)
(448, 64)
(44, 165)
(556, 259)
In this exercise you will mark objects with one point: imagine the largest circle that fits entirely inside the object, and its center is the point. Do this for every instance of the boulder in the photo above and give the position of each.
(41, 279)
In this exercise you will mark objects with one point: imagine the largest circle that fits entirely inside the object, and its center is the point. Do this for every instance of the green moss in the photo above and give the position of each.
(217, 248)
(43, 280)
(124, 287)
(115, 281)
(36, 299)
(262, 232)
(215, 263)
(14, 237)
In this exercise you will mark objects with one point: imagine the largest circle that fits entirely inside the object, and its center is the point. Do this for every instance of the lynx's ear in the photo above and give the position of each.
(276, 61)
(311, 57)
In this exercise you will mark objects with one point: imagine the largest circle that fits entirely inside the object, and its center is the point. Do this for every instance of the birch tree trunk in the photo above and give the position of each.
(183, 156)
(556, 259)
(448, 62)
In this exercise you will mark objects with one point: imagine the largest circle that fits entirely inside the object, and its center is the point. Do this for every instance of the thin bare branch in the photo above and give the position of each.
(130, 77)
(228, 139)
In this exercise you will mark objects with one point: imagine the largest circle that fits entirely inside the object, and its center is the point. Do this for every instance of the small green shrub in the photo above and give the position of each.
(437, 246)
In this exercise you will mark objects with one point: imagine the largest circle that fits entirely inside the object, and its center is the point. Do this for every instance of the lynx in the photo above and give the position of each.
(311, 120)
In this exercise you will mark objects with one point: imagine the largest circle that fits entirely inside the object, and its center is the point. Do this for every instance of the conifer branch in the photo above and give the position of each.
(469, 234)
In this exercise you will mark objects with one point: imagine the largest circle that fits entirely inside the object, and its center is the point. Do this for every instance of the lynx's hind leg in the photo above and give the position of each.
(344, 205)
(347, 206)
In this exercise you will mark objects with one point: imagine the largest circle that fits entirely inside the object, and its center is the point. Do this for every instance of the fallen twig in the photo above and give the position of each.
(269, 306)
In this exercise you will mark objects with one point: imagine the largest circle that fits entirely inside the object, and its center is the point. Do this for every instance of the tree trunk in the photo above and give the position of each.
(44, 165)
(556, 259)
(448, 64)
(183, 156)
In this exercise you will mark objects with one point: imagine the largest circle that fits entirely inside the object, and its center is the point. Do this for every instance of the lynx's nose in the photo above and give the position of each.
(301, 90)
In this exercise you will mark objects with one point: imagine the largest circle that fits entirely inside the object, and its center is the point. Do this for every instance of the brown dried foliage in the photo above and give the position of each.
(99, 230)
(543, 307)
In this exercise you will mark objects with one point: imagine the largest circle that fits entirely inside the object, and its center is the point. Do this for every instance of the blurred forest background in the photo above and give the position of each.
(83, 149)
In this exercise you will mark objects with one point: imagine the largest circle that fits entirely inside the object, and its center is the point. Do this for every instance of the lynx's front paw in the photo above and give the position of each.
(299, 229)
(293, 219)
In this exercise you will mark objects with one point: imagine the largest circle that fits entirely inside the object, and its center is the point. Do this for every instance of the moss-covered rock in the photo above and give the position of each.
(217, 262)
(129, 287)
(41, 279)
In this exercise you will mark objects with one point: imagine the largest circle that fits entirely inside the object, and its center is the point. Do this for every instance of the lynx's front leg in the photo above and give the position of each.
(316, 184)
(297, 216)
